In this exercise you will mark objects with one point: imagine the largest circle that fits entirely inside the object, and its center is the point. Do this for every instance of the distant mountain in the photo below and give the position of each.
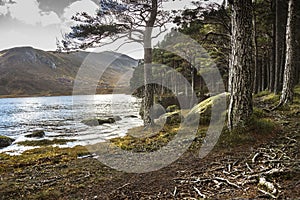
(29, 71)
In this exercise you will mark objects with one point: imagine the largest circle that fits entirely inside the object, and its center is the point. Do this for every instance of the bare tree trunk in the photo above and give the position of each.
(263, 76)
(289, 70)
(281, 17)
(273, 57)
(240, 105)
(266, 61)
(148, 92)
(257, 74)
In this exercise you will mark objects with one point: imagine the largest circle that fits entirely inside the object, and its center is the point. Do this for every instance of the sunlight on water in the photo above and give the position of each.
(60, 117)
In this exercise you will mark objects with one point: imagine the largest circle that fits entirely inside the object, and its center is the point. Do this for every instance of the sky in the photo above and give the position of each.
(37, 23)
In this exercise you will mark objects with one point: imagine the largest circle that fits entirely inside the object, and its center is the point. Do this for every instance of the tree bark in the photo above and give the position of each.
(148, 91)
(241, 72)
(281, 18)
(257, 74)
(271, 83)
(289, 70)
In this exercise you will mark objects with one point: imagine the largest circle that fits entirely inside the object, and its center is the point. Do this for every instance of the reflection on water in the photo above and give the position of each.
(60, 117)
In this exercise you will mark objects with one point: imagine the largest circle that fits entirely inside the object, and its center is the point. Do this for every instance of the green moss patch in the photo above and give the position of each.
(201, 113)
(40, 156)
(256, 130)
(271, 98)
(140, 140)
(44, 142)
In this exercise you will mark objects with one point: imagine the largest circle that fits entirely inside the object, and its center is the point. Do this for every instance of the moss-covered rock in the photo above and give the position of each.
(5, 141)
(172, 108)
(36, 134)
(169, 118)
(202, 111)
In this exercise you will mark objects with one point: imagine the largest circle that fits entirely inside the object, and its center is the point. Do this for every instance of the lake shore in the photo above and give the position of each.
(242, 165)
(234, 165)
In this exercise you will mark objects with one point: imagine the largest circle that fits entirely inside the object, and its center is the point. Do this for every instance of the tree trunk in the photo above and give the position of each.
(289, 70)
(240, 105)
(281, 17)
(297, 79)
(271, 83)
(148, 92)
(266, 62)
(263, 75)
(257, 74)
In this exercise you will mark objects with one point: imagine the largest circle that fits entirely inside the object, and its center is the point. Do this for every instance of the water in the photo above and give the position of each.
(60, 117)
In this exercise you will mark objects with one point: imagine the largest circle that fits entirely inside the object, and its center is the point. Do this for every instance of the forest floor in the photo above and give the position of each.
(260, 162)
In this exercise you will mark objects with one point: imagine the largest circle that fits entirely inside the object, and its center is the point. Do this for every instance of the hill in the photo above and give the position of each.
(25, 71)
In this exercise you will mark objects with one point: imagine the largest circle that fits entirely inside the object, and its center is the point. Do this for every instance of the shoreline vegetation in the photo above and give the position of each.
(110, 91)
(259, 161)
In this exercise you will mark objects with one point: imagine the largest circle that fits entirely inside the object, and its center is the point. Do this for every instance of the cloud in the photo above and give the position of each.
(35, 23)
(29, 13)
(3, 2)
(87, 6)
(57, 6)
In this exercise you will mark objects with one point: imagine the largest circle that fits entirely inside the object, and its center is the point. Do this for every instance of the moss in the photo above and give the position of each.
(271, 98)
(262, 93)
(259, 113)
(152, 140)
(36, 134)
(3, 137)
(202, 111)
(43, 155)
(172, 108)
(44, 142)
(297, 89)
(5, 141)
(248, 134)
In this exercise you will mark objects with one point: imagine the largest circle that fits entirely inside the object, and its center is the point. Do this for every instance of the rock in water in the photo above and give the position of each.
(131, 116)
(5, 141)
(36, 134)
(97, 122)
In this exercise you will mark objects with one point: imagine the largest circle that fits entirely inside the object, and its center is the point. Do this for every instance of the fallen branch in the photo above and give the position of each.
(249, 167)
(199, 193)
(227, 181)
(255, 156)
(268, 193)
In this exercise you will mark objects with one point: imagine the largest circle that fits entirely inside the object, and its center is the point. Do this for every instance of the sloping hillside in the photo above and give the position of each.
(28, 71)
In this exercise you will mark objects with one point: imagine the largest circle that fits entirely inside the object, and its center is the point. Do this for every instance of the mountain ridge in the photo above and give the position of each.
(26, 71)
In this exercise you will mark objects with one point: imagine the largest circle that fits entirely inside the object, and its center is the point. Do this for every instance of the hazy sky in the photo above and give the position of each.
(38, 23)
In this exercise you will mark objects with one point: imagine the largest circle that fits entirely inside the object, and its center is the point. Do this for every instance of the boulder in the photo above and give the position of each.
(201, 113)
(116, 118)
(5, 141)
(169, 118)
(36, 134)
(97, 122)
